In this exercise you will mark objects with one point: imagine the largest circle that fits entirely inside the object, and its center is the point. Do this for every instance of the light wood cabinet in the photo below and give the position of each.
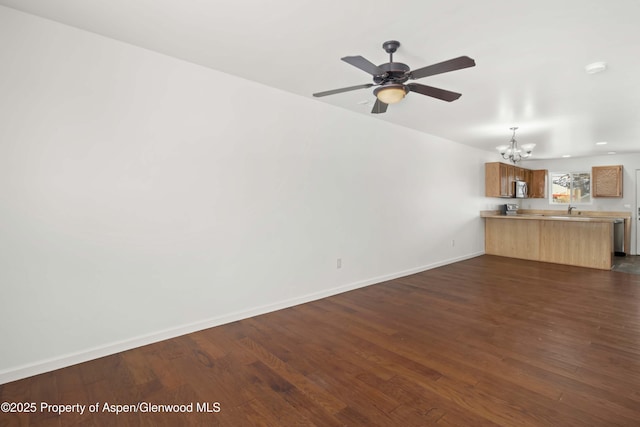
(528, 178)
(499, 178)
(606, 181)
(538, 184)
(580, 243)
(507, 176)
(492, 180)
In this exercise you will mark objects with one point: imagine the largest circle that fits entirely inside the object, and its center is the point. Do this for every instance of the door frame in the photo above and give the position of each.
(636, 212)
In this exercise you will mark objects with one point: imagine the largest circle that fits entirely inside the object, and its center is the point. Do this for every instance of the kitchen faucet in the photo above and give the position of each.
(570, 209)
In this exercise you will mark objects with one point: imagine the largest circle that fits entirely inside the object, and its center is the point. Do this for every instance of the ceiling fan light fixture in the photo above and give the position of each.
(391, 76)
(390, 94)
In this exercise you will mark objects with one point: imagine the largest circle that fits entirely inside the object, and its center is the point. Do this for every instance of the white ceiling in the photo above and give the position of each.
(530, 58)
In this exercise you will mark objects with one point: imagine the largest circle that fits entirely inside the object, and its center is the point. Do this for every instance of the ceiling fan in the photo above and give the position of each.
(391, 77)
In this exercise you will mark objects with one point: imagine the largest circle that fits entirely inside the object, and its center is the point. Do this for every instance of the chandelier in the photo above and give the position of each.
(512, 152)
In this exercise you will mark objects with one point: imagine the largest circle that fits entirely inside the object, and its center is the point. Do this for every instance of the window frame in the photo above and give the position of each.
(571, 188)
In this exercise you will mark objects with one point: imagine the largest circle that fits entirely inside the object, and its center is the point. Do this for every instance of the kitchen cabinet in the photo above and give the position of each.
(606, 181)
(528, 176)
(584, 242)
(499, 178)
(538, 184)
(507, 176)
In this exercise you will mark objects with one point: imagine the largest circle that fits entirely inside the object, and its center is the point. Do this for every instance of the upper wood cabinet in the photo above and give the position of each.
(499, 178)
(528, 177)
(606, 181)
(538, 184)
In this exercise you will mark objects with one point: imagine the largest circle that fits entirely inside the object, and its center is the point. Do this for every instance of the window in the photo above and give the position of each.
(570, 187)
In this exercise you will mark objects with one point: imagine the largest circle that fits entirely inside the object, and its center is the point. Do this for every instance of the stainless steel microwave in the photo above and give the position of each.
(520, 190)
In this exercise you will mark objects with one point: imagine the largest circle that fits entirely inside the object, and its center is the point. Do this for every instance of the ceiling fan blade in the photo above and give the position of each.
(379, 107)
(443, 67)
(434, 92)
(344, 89)
(364, 64)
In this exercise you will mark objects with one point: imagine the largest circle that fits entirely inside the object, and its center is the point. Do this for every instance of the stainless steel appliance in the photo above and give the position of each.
(520, 189)
(618, 237)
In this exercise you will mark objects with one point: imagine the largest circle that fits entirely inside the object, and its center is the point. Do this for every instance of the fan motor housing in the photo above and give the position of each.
(396, 72)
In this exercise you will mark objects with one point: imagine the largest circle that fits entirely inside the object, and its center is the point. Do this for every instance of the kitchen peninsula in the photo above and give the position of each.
(583, 239)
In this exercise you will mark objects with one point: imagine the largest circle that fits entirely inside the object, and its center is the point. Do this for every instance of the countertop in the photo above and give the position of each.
(552, 217)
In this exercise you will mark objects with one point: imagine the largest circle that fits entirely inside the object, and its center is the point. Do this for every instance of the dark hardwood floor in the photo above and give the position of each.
(485, 342)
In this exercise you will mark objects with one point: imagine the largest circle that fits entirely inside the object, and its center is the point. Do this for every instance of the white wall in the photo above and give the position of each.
(142, 197)
(627, 203)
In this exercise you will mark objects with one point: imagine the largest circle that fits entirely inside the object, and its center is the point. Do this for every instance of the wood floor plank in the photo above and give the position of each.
(489, 341)
(317, 395)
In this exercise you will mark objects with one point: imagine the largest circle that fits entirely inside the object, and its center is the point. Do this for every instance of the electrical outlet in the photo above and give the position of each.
(453, 243)
(339, 263)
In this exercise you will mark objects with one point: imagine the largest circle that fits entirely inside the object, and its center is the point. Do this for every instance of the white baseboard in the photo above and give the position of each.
(48, 365)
